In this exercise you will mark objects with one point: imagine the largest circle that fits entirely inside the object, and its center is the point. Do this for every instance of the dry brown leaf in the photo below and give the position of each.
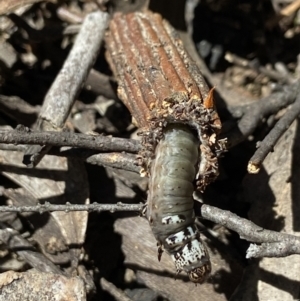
(37, 286)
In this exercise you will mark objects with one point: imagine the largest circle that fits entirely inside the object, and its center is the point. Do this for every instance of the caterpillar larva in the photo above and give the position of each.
(170, 201)
(174, 108)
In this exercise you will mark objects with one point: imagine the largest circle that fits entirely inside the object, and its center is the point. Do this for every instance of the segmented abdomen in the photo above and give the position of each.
(170, 201)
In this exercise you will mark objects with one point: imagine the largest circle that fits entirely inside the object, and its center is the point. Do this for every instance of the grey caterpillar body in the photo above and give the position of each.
(170, 202)
(174, 108)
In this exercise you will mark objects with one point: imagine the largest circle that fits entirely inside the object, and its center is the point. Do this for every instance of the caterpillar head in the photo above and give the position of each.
(193, 258)
(200, 274)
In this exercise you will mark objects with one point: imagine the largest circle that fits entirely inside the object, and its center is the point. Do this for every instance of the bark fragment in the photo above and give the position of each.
(160, 84)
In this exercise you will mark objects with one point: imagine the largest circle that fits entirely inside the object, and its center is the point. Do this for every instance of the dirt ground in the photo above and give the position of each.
(249, 51)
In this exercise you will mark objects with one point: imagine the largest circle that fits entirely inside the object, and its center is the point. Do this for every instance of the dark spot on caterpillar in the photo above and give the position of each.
(186, 232)
(181, 216)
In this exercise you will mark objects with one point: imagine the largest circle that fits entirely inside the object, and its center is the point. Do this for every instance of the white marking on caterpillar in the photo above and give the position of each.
(170, 202)
(173, 219)
(182, 236)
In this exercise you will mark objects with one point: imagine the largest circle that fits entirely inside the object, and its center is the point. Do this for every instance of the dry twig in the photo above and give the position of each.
(47, 207)
(61, 96)
(272, 74)
(267, 145)
(285, 12)
(268, 243)
(251, 115)
(23, 135)
(272, 243)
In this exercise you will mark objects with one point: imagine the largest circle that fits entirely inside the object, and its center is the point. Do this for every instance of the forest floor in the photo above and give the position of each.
(249, 51)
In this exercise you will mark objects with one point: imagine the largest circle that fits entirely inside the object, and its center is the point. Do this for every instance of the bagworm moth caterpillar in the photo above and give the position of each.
(171, 103)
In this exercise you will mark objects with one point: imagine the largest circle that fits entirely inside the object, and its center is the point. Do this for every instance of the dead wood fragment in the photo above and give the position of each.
(115, 160)
(252, 115)
(272, 74)
(290, 244)
(122, 160)
(160, 84)
(267, 145)
(24, 135)
(274, 197)
(61, 96)
(285, 12)
(47, 207)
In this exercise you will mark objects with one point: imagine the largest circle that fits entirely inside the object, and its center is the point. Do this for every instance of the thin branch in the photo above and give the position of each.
(115, 160)
(23, 135)
(62, 94)
(285, 12)
(267, 145)
(289, 244)
(47, 207)
(272, 74)
(251, 115)
(122, 160)
(282, 248)
(272, 243)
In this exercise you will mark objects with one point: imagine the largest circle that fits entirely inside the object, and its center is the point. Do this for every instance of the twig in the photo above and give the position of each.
(61, 96)
(113, 290)
(272, 242)
(115, 160)
(272, 74)
(282, 248)
(253, 114)
(23, 135)
(47, 207)
(267, 145)
(285, 12)
(279, 244)
(16, 243)
(123, 161)
(68, 16)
